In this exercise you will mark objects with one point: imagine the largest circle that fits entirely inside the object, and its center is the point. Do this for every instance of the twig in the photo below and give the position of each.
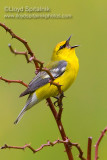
(98, 142)
(35, 60)
(13, 81)
(57, 85)
(79, 149)
(66, 141)
(19, 53)
(36, 150)
(48, 72)
(24, 42)
(89, 148)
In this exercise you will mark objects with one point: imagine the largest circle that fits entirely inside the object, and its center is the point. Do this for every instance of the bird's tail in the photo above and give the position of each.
(20, 115)
(31, 101)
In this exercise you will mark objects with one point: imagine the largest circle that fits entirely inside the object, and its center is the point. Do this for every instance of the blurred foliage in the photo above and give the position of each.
(85, 105)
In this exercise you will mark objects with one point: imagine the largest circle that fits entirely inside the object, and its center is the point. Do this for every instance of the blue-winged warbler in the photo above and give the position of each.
(64, 66)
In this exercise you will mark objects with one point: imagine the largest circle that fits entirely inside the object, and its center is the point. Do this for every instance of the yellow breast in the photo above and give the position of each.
(66, 79)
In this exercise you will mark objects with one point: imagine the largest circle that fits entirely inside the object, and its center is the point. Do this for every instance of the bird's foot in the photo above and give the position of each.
(58, 102)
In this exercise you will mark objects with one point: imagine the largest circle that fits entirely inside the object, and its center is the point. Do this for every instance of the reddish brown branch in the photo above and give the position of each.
(61, 129)
(35, 60)
(19, 53)
(89, 148)
(56, 84)
(59, 113)
(59, 99)
(48, 72)
(13, 81)
(36, 150)
(66, 141)
(79, 149)
(21, 40)
(98, 142)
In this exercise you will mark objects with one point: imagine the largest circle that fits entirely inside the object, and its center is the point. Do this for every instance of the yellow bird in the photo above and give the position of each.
(64, 66)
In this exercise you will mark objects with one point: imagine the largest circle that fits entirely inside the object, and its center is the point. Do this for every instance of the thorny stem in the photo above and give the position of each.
(79, 149)
(61, 129)
(40, 148)
(13, 81)
(98, 142)
(59, 99)
(25, 44)
(67, 141)
(19, 53)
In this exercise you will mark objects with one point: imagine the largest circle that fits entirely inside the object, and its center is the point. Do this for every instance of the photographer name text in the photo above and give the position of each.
(26, 9)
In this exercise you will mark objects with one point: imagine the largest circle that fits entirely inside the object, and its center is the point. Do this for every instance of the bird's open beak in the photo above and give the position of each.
(67, 41)
(75, 46)
(68, 45)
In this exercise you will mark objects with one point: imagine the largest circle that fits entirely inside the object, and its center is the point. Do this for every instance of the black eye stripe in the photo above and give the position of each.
(61, 47)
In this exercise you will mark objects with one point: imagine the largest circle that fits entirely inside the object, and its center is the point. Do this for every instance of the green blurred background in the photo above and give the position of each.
(85, 105)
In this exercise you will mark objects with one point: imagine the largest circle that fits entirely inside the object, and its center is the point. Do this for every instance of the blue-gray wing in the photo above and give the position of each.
(56, 68)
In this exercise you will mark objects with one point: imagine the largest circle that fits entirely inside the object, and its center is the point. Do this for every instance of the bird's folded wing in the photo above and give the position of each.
(56, 68)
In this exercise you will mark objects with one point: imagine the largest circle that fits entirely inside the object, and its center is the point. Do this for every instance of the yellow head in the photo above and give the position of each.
(63, 51)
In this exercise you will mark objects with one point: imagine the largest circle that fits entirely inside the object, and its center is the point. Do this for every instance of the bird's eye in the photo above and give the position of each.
(61, 47)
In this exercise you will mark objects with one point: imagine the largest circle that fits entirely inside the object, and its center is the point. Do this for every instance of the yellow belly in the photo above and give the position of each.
(66, 79)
